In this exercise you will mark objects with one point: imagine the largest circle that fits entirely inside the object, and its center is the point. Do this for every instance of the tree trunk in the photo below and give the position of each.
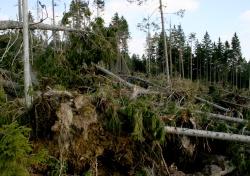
(207, 134)
(222, 117)
(191, 64)
(20, 18)
(27, 77)
(9, 24)
(212, 104)
(165, 43)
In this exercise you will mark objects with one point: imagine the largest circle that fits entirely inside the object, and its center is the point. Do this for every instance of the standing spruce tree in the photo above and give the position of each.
(207, 49)
(236, 59)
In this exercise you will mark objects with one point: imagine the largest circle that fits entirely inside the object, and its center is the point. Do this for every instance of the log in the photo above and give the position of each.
(137, 90)
(222, 117)
(115, 76)
(212, 104)
(146, 82)
(9, 24)
(207, 134)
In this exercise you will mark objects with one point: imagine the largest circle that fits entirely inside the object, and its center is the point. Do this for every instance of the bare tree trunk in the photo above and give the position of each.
(27, 77)
(165, 43)
(53, 23)
(181, 62)
(20, 11)
(191, 64)
(207, 134)
(170, 51)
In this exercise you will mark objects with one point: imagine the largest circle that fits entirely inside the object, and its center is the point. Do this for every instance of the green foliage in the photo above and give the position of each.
(145, 123)
(88, 173)
(10, 112)
(14, 150)
(114, 123)
(54, 166)
(241, 158)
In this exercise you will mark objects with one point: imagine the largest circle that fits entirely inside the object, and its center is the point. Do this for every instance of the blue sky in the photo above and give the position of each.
(221, 18)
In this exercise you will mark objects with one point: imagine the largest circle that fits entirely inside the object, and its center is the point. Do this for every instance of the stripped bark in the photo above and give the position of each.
(9, 24)
(212, 104)
(207, 134)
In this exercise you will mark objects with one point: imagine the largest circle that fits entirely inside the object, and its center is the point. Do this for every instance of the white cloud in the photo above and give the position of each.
(245, 16)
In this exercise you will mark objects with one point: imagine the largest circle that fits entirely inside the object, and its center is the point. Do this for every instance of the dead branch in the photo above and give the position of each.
(212, 104)
(207, 134)
(9, 24)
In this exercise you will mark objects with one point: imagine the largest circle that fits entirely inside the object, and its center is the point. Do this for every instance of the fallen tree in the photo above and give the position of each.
(222, 117)
(207, 134)
(212, 104)
(9, 24)
(235, 104)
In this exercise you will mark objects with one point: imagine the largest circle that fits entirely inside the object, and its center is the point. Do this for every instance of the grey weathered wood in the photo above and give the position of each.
(212, 104)
(26, 61)
(222, 117)
(9, 24)
(207, 134)
(115, 76)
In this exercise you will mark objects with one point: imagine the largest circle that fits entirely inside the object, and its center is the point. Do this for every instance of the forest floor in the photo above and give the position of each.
(109, 126)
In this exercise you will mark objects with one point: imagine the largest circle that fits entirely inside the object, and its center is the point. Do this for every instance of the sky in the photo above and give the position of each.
(221, 18)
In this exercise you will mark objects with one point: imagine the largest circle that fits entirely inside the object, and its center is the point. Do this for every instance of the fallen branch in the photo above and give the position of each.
(4, 25)
(207, 134)
(212, 104)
